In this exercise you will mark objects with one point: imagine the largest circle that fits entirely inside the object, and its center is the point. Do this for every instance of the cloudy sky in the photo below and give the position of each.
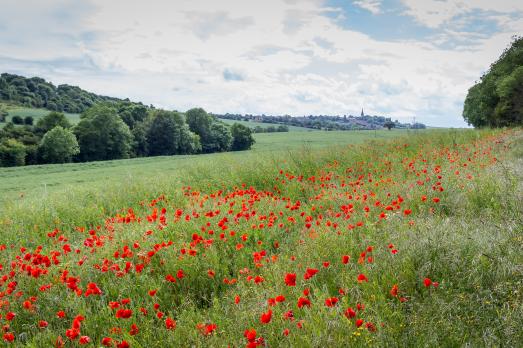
(401, 58)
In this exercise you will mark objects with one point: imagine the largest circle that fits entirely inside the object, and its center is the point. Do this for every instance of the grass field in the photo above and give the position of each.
(253, 124)
(410, 241)
(35, 113)
(36, 180)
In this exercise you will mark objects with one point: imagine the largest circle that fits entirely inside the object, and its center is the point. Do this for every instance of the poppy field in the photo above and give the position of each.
(413, 241)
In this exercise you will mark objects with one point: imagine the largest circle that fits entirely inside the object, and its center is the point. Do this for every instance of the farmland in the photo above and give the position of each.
(34, 181)
(410, 240)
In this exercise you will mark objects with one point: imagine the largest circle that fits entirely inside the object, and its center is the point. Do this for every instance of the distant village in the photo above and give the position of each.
(328, 122)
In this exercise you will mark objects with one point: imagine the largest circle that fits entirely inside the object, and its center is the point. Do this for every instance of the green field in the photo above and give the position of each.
(253, 124)
(34, 181)
(34, 113)
(363, 239)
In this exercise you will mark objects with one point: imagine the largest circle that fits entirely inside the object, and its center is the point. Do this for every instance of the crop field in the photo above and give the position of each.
(36, 181)
(359, 239)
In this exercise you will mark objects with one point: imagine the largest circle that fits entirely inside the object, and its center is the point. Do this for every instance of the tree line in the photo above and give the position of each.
(496, 100)
(116, 130)
(38, 93)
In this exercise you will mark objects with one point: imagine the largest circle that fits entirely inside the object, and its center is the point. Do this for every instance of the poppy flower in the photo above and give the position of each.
(9, 337)
(266, 317)
(170, 324)
(309, 273)
(362, 278)
(290, 279)
(303, 301)
(350, 313)
(331, 301)
(345, 259)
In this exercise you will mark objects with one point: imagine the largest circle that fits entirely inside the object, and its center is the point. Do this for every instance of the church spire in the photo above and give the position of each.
(362, 113)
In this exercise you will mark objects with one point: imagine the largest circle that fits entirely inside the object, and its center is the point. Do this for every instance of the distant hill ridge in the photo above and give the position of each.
(38, 93)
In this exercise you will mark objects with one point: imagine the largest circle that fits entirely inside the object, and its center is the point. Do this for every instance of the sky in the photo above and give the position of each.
(398, 58)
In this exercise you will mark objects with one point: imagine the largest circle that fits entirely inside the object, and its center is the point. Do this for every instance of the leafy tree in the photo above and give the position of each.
(3, 114)
(241, 137)
(12, 153)
(17, 119)
(139, 146)
(50, 121)
(271, 129)
(59, 145)
(221, 138)
(214, 135)
(389, 125)
(283, 128)
(496, 100)
(102, 135)
(28, 120)
(168, 134)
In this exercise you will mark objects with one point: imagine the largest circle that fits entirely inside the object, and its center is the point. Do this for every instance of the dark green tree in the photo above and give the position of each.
(28, 120)
(17, 119)
(497, 99)
(59, 145)
(389, 125)
(168, 134)
(50, 121)
(102, 135)
(12, 153)
(242, 138)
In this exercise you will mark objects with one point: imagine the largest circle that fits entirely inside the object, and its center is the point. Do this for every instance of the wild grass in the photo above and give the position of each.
(470, 243)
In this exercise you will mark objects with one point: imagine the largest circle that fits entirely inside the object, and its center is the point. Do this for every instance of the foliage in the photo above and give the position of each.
(168, 134)
(102, 135)
(59, 145)
(36, 92)
(389, 125)
(497, 99)
(12, 153)
(52, 120)
(28, 120)
(3, 114)
(241, 137)
(17, 120)
(214, 135)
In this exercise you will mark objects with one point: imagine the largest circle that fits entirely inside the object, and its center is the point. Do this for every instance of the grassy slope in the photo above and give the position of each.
(36, 180)
(35, 113)
(471, 243)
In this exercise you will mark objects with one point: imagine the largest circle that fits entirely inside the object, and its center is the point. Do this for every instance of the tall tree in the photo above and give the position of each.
(241, 137)
(496, 100)
(59, 145)
(51, 120)
(102, 135)
(168, 134)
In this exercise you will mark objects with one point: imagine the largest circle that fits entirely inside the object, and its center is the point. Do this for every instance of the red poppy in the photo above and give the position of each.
(266, 317)
(303, 301)
(331, 301)
(290, 279)
(170, 324)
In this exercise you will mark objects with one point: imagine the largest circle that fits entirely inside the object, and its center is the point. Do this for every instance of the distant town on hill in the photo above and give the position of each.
(327, 122)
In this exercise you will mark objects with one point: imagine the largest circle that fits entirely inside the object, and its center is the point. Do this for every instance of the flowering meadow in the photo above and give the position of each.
(410, 242)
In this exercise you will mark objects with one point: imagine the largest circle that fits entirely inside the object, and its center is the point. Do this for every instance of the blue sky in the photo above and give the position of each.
(401, 58)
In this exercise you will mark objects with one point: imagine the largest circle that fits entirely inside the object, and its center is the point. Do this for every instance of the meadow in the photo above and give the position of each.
(362, 239)
(35, 181)
(35, 113)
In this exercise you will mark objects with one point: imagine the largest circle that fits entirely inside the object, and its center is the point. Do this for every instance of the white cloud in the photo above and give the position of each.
(373, 6)
(273, 57)
(435, 13)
